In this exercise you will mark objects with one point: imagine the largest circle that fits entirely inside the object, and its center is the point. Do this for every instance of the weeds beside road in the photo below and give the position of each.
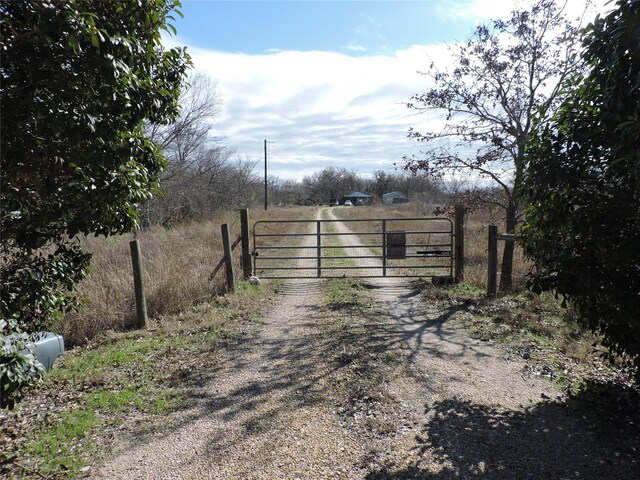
(119, 383)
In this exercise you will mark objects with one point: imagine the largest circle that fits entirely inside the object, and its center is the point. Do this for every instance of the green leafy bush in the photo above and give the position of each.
(582, 183)
(19, 367)
(80, 79)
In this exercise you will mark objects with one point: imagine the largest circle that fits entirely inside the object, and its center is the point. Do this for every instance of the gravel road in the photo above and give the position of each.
(387, 390)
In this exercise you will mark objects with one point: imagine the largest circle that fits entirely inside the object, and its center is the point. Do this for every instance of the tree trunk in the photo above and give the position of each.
(506, 272)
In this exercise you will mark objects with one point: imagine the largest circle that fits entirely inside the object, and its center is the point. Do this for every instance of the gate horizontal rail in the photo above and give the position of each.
(331, 249)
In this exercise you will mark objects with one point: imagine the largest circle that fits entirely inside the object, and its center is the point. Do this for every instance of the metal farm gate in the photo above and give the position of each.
(398, 247)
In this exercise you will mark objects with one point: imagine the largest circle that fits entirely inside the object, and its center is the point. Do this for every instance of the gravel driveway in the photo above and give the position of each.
(388, 389)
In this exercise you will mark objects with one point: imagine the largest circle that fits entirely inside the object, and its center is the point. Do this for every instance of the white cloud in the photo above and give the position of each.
(327, 109)
(494, 9)
(356, 48)
(318, 108)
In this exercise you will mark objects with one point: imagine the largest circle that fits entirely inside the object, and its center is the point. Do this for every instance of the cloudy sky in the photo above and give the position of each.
(325, 82)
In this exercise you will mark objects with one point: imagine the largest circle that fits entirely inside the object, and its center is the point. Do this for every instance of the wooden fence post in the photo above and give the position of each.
(246, 251)
(228, 259)
(141, 302)
(492, 264)
(459, 243)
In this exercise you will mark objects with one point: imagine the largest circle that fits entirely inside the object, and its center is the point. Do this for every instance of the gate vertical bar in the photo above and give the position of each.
(384, 248)
(459, 244)
(319, 249)
(255, 250)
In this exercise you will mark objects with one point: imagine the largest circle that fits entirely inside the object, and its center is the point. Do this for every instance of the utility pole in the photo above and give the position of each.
(265, 175)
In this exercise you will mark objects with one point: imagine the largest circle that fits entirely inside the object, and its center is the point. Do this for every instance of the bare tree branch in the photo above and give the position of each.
(502, 75)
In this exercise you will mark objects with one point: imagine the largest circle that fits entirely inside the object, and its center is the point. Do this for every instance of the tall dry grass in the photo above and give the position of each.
(178, 264)
(476, 238)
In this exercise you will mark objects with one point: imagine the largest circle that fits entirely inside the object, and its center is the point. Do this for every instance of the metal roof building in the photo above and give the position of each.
(394, 198)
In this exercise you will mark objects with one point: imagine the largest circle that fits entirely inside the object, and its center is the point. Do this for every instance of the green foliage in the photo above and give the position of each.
(19, 368)
(62, 448)
(343, 294)
(583, 186)
(79, 80)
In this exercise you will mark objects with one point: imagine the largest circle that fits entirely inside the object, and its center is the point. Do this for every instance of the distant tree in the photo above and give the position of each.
(582, 181)
(287, 192)
(330, 183)
(194, 156)
(503, 74)
(79, 80)
(382, 182)
(188, 142)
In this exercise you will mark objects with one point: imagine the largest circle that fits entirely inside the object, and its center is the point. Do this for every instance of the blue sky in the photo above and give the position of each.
(356, 27)
(325, 82)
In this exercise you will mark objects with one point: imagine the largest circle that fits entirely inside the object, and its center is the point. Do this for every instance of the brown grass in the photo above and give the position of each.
(476, 233)
(178, 264)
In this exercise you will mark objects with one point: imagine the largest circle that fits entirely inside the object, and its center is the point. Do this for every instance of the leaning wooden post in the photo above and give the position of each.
(492, 264)
(141, 302)
(246, 251)
(228, 259)
(459, 243)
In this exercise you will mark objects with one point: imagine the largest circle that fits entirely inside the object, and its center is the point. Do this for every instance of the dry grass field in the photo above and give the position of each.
(476, 233)
(178, 265)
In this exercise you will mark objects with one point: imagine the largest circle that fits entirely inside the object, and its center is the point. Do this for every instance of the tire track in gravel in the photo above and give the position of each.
(435, 362)
(267, 414)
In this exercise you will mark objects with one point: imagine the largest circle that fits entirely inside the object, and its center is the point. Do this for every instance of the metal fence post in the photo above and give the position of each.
(246, 251)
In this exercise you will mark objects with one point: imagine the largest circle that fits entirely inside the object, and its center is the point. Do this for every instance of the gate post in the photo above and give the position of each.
(246, 253)
(138, 284)
(459, 243)
(492, 263)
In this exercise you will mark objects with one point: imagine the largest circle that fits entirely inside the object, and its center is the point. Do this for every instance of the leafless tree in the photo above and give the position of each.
(502, 76)
(201, 178)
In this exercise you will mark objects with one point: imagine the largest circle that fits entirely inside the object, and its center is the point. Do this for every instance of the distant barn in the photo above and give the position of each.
(394, 198)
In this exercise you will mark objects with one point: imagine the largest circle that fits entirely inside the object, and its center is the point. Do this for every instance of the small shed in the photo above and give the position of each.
(357, 198)
(394, 198)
